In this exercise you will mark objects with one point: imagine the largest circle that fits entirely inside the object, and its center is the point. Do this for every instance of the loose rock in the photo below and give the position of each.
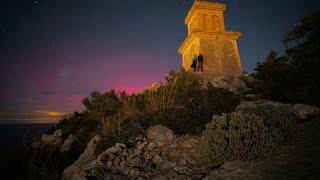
(75, 171)
(53, 140)
(306, 111)
(69, 144)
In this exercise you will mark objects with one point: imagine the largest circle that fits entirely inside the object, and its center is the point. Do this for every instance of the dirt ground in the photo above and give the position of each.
(300, 159)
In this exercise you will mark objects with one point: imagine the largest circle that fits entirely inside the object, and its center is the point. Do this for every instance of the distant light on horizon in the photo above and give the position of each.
(51, 113)
(31, 117)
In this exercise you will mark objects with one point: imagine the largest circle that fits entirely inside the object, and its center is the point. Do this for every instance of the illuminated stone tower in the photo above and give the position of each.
(207, 36)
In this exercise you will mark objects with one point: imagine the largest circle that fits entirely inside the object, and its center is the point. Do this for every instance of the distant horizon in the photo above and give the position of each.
(12, 122)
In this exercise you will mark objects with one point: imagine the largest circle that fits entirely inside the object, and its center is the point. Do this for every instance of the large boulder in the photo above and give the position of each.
(52, 140)
(160, 135)
(186, 150)
(252, 97)
(235, 84)
(69, 144)
(75, 171)
(306, 111)
(250, 81)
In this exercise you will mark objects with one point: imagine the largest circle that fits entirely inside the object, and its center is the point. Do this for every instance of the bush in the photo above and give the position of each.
(179, 119)
(110, 135)
(82, 125)
(280, 119)
(121, 128)
(104, 105)
(185, 103)
(192, 117)
(248, 133)
(294, 76)
(87, 129)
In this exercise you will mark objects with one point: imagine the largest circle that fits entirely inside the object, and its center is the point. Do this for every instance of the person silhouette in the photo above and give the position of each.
(194, 63)
(200, 63)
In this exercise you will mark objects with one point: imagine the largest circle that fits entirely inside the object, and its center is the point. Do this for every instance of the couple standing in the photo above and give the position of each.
(197, 63)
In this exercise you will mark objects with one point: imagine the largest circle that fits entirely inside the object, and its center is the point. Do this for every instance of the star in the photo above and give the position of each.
(235, 3)
(51, 44)
(3, 29)
(36, 2)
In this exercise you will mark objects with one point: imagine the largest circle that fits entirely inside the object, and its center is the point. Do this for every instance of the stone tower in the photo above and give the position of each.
(207, 36)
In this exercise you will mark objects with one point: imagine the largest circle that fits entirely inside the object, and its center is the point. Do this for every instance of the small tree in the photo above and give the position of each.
(103, 105)
(294, 76)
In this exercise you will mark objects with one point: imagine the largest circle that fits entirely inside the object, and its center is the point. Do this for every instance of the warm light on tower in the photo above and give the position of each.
(207, 36)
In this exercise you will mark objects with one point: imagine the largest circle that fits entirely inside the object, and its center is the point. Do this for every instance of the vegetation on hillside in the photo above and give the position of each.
(184, 103)
(250, 132)
(294, 76)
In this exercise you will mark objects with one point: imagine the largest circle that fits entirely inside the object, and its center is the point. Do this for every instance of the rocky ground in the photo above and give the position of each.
(300, 159)
(161, 155)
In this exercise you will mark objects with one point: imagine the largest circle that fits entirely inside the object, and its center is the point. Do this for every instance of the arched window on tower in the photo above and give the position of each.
(206, 22)
(215, 24)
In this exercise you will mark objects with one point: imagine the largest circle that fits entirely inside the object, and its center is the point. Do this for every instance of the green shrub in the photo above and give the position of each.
(294, 76)
(185, 103)
(192, 117)
(81, 125)
(179, 119)
(110, 135)
(121, 128)
(280, 119)
(248, 133)
(235, 136)
(87, 129)
(103, 105)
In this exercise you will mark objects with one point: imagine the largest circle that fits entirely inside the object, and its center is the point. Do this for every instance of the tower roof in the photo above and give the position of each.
(204, 4)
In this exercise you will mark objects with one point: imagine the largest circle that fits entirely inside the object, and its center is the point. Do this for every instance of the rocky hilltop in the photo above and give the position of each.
(160, 154)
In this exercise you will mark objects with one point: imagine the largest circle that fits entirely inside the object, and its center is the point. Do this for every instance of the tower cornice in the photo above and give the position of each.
(207, 5)
(227, 35)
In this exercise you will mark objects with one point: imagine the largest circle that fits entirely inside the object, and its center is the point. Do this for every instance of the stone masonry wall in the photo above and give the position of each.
(221, 57)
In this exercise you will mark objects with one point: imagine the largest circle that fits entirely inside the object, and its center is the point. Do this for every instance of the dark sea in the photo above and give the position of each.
(11, 135)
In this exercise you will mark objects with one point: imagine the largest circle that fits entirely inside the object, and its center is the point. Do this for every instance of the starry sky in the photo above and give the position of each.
(55, 52)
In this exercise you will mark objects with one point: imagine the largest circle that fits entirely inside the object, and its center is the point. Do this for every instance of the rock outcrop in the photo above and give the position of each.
(75, 171)
(50, 140)
(70, 143)
(160, 135)
(306, 111)
(162, 155)
(159, 155)
(235, 84)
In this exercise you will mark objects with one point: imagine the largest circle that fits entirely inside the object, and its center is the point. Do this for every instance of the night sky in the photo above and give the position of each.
(55, 52)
